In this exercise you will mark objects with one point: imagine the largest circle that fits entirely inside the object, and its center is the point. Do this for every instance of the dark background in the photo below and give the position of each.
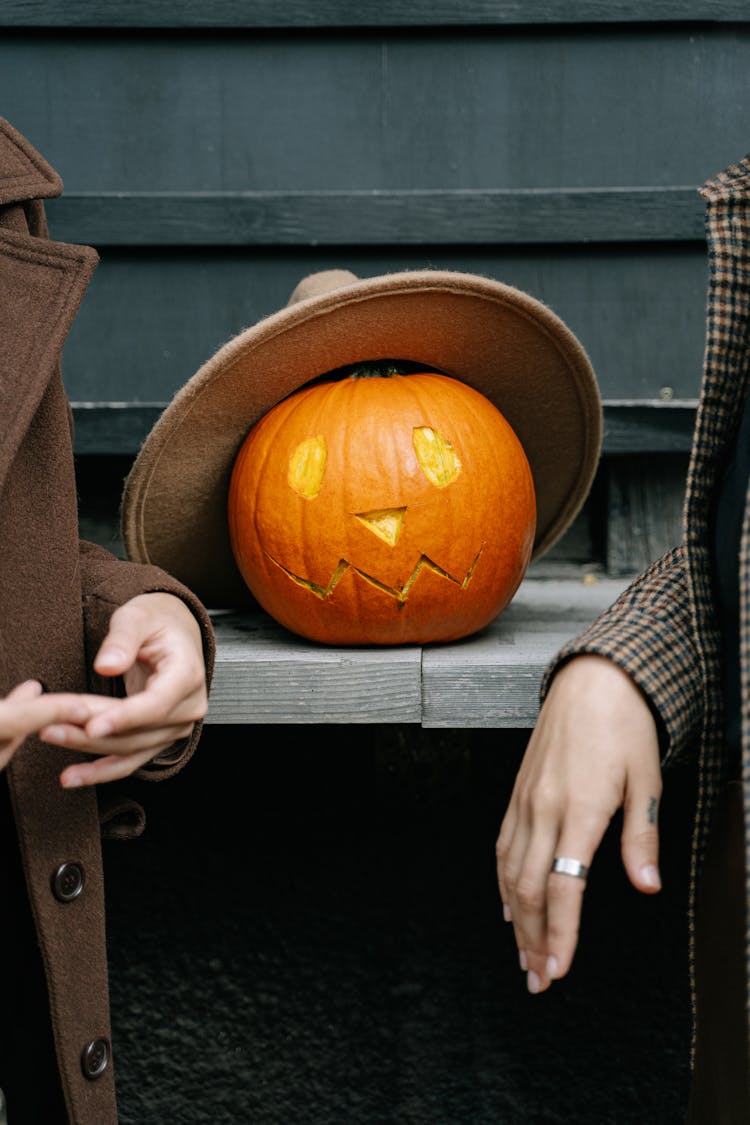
(310, 932)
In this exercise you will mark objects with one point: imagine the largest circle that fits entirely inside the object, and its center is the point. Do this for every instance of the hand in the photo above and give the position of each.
(594, 749)
(154, 642)
(25, 710)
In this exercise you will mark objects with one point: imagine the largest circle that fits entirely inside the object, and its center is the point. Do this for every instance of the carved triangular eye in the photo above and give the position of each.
(436, 456)
(387, 523)
(307, 467)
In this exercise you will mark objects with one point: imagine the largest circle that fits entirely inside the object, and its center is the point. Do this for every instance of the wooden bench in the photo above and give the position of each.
(266, 675)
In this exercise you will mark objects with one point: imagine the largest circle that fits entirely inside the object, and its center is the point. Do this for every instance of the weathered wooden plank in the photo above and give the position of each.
(112, 427)
(365, 13)
(120, 427)
(358, 112)
(648, 427)
(644, 510)
(340, 218)
(151, 318)
(493, 679)
(264, 674)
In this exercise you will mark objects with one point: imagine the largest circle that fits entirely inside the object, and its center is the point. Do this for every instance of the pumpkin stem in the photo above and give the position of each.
(374, 371)
(377, 369)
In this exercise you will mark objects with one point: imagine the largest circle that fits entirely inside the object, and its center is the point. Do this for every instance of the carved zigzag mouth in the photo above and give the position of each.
(400, 593)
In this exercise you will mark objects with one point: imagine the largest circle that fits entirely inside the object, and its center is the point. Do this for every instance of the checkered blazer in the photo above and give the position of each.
(663, 630)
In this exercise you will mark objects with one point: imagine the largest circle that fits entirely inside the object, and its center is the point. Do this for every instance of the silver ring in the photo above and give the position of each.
(563, 865)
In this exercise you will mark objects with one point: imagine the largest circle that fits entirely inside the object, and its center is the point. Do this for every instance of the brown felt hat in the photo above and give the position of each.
(498, 339)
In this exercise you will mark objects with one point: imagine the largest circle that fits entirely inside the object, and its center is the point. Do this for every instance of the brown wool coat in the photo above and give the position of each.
(56, 598)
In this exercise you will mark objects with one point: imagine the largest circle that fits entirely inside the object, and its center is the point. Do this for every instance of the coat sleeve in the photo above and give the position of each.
(107, 583)
(648, 632)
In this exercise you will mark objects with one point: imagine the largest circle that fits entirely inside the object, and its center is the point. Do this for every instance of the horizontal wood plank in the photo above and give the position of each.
(117, 428)
(644, 508)
(265, 674)
(339, 218)
(152, 316)
(493, 679)
(475, 110)
(365, 13)
(113, 428)
(655, 427)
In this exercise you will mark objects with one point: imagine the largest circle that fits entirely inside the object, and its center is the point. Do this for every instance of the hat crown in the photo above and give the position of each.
(318, 284)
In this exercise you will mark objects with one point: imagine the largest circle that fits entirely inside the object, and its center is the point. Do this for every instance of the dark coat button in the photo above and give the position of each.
(95, 1058)
(67, 882)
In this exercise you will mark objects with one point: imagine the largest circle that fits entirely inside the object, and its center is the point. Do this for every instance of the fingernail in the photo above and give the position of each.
(70, 781)
(522, 961)
(110, 656)
(650, 875)
(506, 912)
(53, 734)
(532, 982)
(552, 968)
(99, 728)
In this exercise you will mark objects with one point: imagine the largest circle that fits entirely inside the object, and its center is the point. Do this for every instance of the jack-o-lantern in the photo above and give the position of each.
(382, 508)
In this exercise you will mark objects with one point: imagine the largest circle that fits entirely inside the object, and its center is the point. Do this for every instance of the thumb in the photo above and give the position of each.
(640, 834)
(119, 649)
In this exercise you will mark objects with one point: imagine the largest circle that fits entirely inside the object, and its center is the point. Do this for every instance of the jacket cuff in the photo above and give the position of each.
(647, 632)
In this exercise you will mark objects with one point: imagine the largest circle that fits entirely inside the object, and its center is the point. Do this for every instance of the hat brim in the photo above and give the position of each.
(498, 339)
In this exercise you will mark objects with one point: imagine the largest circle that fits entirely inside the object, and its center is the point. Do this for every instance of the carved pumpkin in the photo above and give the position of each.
(382, 508)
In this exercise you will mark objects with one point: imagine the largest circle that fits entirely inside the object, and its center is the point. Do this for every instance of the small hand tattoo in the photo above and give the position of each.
(653, 806)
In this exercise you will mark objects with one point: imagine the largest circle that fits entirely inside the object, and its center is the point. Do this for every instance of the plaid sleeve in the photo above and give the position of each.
(648, 632)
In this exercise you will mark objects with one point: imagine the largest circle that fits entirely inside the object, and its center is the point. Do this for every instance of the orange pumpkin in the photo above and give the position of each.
(382, 509)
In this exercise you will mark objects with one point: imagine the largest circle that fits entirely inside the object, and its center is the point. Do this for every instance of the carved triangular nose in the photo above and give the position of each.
(386, 523)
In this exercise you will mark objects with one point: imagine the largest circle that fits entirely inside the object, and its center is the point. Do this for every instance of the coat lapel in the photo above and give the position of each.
(41, 286)
(24, 174)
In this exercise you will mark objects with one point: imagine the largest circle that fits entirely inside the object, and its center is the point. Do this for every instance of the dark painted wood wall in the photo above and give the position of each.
(214, 153)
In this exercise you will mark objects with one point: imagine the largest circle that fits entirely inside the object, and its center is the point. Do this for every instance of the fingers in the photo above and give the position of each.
(593, 750)
(29, 689)
(522, 872)
(10, 742)
(119, 650)
(110, 768)
(545, 906)
(640, 831)
(564, 905)
(114, 757)
(25, 710)
(117, 756)
(170, 696)
(149, 628)
(502, 858)
(153, 739)
(154, 641)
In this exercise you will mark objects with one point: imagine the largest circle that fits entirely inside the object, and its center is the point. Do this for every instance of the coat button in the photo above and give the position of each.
(67, 882)
(95, 1058)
